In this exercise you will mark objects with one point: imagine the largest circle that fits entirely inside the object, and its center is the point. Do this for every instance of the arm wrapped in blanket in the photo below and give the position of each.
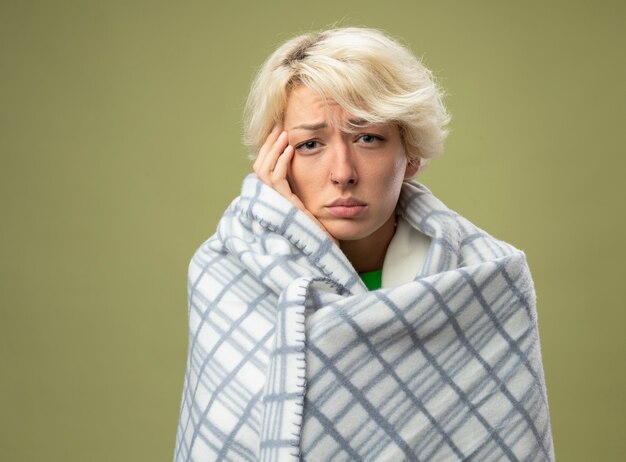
(290, 357)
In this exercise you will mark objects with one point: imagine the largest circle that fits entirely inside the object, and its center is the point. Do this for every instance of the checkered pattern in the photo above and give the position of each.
(290, 357)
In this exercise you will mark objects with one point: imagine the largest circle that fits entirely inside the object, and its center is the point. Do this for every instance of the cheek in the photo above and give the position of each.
(302, 176)
(391, 176)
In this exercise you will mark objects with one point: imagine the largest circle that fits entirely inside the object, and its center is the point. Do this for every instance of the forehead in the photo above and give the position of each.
(306, 106)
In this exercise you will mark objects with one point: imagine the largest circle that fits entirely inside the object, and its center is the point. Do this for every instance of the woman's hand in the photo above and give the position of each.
(272, 166)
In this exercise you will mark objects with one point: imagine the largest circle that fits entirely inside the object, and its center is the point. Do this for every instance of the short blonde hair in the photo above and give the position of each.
(369, 75)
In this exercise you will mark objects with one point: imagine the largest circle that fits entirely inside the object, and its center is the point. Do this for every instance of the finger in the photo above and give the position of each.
(269, 141)
(282, 165)
(271, 138)
(268, 164)
(266, 149)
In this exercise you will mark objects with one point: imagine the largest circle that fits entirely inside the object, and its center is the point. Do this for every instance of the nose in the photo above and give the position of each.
(343, 169)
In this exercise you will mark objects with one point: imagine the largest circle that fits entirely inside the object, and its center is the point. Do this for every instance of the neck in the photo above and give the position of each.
(368, 254)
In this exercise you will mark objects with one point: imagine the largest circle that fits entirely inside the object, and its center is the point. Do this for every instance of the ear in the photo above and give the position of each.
(412, 167)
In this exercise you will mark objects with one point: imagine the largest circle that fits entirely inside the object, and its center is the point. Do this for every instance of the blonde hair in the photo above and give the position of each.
(371, 76)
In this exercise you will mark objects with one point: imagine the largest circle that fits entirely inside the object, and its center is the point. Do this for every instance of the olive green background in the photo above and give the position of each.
(120, 147)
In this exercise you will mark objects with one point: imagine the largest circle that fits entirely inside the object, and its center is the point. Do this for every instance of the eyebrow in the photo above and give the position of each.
(313, 127)
(321, 125)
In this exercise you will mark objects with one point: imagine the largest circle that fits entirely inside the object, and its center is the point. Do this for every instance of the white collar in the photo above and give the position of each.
(405, 255)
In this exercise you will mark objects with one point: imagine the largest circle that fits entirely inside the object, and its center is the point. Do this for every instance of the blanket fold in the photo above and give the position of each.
(290, 357)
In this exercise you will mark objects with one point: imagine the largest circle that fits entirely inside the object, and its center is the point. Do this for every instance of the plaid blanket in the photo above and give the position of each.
(290, 357)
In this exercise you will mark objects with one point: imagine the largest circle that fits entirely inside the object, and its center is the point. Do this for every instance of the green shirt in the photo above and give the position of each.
(373, 280)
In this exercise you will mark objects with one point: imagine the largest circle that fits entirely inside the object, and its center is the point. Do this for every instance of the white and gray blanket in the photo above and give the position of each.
(291, 357)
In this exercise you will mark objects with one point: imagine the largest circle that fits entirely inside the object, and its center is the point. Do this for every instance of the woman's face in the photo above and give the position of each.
(350, 182)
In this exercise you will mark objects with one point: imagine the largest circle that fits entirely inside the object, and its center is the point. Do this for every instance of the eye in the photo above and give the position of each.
(369, 139)
(309, 145)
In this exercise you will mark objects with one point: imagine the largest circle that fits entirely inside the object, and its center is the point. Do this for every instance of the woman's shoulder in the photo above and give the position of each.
(458, 241)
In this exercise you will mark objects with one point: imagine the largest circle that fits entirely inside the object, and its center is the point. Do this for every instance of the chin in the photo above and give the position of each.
(348, 231)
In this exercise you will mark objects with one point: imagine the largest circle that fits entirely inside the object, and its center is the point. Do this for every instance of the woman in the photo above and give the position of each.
(341, 312)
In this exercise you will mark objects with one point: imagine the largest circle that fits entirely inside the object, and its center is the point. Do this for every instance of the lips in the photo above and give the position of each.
(346, 207)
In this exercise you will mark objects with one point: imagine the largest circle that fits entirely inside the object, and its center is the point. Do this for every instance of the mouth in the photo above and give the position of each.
(346, 208)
